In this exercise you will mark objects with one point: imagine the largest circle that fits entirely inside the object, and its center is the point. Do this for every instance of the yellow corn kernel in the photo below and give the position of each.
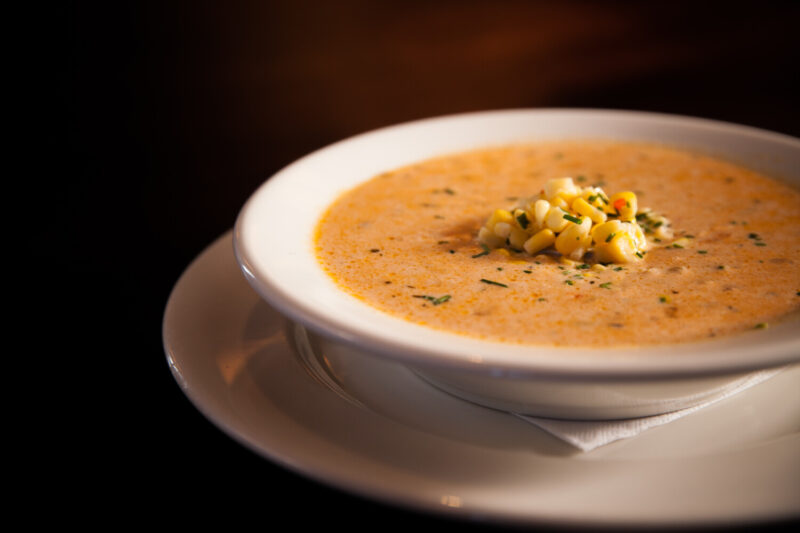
(601, 232)
(487, 237)
(517, 238)
(566, 261)
(582, 207)
(503, 251)
(555, 219)
(560, 202)
(502, 229)
(595, 197)
(561, 187)
(598, 267)
(539, 241)
(574, 240)
(540, 209)
(499, 215)
(619, 249)
(625, 204)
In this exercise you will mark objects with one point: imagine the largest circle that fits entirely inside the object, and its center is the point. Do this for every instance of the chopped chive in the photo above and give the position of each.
(606, 285)
(433, 299)
(761, 325)
(584, 266)
(610, 236)
(663, 299)
(490, 282)
(571, 218)
(449, 191)
(617, 269)
(522, 218)
(753, 236)
(484, 252)
(528, 271)
(702, 251)
(592, 198)
(759, 243)
(569, 282)
(639, 255)
(375, 250)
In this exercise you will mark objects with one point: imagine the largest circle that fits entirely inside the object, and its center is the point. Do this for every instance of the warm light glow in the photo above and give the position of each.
(451, 501)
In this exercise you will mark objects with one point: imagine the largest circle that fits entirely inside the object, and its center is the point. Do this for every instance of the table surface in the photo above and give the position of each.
(175, 112)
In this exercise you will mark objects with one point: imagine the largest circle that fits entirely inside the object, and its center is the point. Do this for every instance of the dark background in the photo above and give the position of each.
(165, 116)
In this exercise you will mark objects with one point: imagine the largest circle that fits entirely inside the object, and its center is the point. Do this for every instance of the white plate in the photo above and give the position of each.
(371, 427)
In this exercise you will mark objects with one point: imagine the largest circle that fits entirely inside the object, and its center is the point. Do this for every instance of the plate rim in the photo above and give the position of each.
(308, 467)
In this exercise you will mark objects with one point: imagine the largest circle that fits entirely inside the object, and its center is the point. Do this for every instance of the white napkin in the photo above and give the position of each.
(590, 434)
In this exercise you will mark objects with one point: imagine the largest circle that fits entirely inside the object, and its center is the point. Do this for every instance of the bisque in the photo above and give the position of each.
(405, 243)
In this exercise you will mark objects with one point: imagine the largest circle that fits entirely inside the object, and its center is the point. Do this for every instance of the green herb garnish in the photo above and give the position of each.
(484, 252)
(522, 218)
(571, 218)
(490, 282)
(433, 299)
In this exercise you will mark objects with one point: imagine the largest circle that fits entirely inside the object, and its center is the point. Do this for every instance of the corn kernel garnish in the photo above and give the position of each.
(576, 222)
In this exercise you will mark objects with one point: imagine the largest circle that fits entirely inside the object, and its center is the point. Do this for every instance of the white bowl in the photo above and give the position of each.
(273, 240)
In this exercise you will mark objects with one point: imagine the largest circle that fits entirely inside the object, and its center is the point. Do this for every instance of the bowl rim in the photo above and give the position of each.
(425, 347)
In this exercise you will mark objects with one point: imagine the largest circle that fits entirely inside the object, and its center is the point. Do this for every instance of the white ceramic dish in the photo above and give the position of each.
(370, 426)
(544, 381)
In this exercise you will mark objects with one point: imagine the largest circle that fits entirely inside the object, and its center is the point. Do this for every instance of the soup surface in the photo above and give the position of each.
(406, 242)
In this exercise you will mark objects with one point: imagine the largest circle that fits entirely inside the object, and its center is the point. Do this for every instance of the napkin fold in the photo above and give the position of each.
(586, 435)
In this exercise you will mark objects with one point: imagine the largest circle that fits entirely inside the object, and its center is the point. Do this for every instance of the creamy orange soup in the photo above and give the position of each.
(406, 242)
